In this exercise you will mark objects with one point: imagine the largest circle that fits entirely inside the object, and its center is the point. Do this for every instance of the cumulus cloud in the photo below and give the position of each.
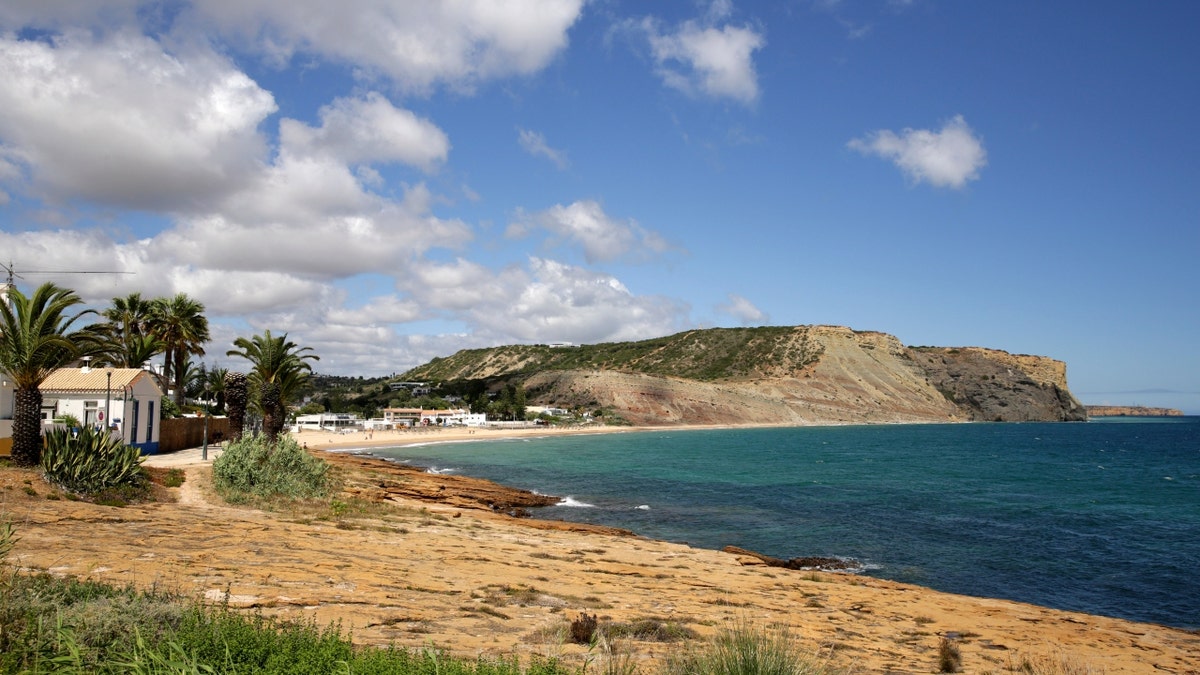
(197, 185)
(311, 238)
(584, 223)
(743, 310)
(704, 57)
(367, 130)
(554, 302)
(416, 44)
(535, 144)
(946, 158)
(119, 121)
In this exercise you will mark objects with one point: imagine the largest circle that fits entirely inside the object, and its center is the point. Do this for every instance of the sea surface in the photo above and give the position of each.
(1100, 517)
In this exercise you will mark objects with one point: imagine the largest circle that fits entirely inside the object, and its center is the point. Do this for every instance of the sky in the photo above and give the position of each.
(389, 181)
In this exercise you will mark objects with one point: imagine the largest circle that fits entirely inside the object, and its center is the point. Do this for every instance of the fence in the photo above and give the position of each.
(182, 433)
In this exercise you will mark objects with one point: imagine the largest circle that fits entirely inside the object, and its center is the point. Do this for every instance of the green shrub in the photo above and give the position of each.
(90, 461)
(744, 650)
(255, 467)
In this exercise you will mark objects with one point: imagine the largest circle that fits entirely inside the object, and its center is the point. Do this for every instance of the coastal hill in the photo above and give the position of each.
(771, 375)
(1131, 411)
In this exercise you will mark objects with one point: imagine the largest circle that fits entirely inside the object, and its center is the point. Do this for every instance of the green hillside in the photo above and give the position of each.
(706, 355)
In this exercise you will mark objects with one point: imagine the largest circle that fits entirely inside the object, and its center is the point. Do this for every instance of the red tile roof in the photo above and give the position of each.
(94, 380)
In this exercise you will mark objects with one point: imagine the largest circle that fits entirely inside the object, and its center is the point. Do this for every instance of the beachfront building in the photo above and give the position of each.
(416, 417)
(343, 423)
(547, 410)
(125, 400)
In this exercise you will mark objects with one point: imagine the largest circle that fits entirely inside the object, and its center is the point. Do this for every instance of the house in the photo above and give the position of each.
(127, 400)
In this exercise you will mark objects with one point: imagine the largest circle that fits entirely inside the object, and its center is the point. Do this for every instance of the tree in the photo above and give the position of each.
(279, 370)
(124, 340)
(180, 324)
(35, 339)
(215, 388)
(195, 380)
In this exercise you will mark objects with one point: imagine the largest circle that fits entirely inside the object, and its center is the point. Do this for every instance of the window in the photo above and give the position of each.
(149, 421)
(133, 428)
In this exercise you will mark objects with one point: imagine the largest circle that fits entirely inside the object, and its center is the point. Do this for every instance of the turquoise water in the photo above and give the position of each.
(1100, 517)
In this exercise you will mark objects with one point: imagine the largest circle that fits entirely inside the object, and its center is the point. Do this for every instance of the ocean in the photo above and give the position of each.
(1100, 517)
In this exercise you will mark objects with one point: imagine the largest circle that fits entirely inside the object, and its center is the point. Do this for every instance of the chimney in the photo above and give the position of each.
(87, 365)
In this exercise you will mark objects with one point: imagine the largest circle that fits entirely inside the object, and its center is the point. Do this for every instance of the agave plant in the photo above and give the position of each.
(89, 461)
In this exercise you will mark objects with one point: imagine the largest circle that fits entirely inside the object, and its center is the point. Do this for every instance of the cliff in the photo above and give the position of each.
(772, 375)
(1131, 411)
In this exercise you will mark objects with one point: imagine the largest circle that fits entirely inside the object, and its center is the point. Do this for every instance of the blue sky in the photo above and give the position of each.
(392, 181)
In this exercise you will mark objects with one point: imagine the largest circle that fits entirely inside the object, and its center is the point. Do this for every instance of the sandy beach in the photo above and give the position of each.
(431, 564)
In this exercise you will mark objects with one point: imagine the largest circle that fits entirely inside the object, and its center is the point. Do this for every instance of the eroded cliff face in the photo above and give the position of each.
(857, 377)
(995, 386)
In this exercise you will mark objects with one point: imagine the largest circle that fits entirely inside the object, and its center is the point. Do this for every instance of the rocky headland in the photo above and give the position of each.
(1131, 411)
(790, 375)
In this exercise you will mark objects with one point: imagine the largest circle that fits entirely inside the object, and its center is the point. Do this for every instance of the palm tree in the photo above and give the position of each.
(35, 340)
(214, 387)
(279, 369)
(181, 325)
(126, 340)
(130, 315)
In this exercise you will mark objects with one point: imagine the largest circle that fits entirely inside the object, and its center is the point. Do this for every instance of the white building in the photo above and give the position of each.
(412, 417)
(337, 422)
(127, 400)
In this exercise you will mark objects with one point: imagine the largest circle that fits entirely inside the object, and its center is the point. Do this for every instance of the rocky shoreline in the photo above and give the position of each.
(417, 559)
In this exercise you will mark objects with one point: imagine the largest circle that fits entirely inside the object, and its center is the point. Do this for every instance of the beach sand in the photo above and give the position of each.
(417, 559)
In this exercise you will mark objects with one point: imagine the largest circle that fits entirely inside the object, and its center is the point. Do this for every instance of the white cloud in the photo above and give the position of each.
(416, 44)
(367, 130)
(177, 146)
(557, 302)
(308, 236)
(121, 122)
(386, 309)
(585, 223)
(51, 14)
(946, 158)
(535, 144)
(704, 58)
(743, 310)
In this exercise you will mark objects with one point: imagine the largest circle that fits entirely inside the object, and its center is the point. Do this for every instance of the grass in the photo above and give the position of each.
(743, 649)
(69, 626)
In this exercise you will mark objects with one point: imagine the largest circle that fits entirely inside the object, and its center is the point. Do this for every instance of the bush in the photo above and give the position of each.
(255, 467)
(745, 650)
(90, 461)
(949, 657)
(583, 629)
